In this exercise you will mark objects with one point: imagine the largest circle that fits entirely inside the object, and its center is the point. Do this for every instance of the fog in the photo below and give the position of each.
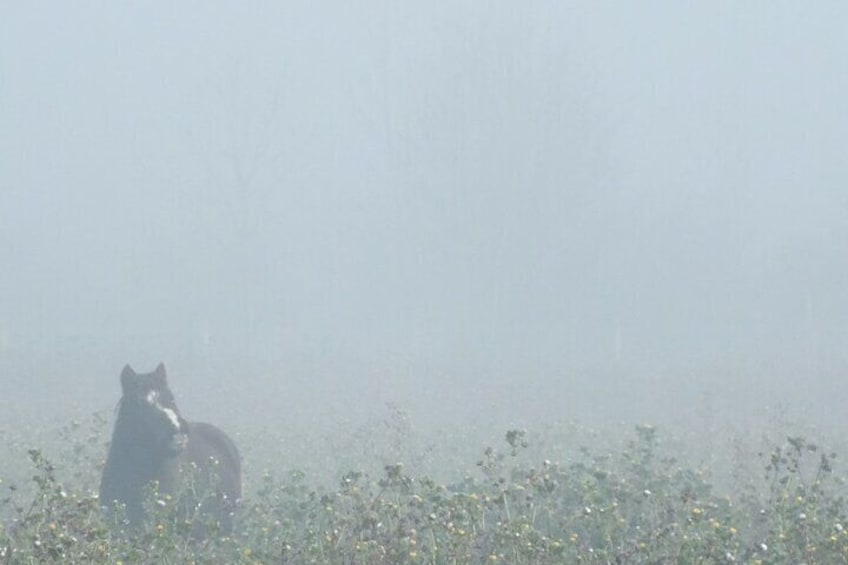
(476, 211)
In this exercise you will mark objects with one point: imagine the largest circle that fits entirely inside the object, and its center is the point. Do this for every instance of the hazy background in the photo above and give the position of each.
(483, 212)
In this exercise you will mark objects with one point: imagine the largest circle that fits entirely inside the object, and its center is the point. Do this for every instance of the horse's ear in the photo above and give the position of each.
(160, 371)
(127, 376)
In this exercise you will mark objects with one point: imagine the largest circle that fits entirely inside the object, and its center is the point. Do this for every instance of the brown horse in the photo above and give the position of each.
(152, 442)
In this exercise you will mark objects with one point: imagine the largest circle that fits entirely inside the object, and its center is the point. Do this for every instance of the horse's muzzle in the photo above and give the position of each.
(178, 443)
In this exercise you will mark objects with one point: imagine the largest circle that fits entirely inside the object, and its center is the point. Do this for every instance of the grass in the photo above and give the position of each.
(635, 503)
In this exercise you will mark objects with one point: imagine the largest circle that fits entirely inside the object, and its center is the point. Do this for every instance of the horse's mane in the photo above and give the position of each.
(120, 415)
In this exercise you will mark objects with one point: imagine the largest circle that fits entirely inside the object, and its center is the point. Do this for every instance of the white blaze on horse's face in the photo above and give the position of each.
(172, 416)
(152, 399)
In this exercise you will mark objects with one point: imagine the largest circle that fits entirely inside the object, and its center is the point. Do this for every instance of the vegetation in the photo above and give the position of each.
(634, 504)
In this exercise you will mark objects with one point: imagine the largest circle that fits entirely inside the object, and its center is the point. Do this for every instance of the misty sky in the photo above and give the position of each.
(468, 187)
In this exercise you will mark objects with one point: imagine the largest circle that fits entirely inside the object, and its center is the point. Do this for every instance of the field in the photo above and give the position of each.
(380, 492)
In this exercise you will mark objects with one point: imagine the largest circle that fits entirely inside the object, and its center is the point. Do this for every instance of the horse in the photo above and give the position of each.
(153, 446)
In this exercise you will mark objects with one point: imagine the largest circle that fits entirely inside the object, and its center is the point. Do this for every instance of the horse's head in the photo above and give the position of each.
(148, 406)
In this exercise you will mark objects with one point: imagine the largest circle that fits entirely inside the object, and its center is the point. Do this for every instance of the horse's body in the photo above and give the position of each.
(153, 443)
